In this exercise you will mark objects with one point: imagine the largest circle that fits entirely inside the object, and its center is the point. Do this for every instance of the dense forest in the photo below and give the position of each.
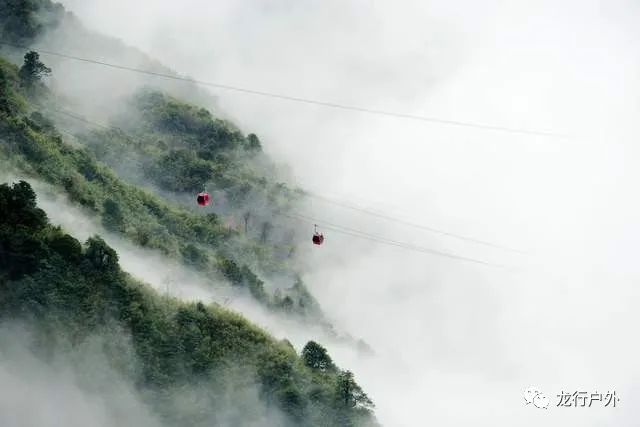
(71, 291)
(137, 175)
(33, 142)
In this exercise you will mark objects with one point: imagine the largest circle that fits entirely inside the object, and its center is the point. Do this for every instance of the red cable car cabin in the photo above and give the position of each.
(203, 199)
(318, 238)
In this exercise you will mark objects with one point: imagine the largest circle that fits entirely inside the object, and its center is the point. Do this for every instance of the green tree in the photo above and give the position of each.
(287, 304)
(5, 103)
(112, 218)
(231, 270)
(256, 286)
(266, 229)
(349, 394)
(33, 70)
(67, 247)
(100, 255)
(316, 356)
(194, 256)
(17, 20)
(253, 143)
(71, 293)
(18, 206)
(181, 170)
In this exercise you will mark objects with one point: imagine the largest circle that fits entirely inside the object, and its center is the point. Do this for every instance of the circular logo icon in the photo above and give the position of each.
(530, 394)
(541, 401)
(534, 396)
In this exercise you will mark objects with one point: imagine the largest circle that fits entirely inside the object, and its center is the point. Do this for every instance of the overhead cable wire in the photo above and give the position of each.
(383, 240)
(326, 199)
(291, 98)
(379, 239)
(413, 224)
(82, 119)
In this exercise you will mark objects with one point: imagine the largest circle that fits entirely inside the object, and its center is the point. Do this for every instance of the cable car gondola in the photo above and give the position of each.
(318, 238)
(203, 198)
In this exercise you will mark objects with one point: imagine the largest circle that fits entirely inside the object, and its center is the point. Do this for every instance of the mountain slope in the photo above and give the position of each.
(49, 25)
(249, 242)
(177, 149)
(188, 362)
(69, 293)
(33, 143)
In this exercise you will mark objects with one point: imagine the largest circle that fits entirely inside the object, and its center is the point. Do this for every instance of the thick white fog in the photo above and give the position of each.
(74, 389)
(455, 343)
(82, 384)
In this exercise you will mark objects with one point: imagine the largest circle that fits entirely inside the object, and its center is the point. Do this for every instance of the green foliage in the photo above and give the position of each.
(287, 304)
(180, 170)
(191, 151)
(195, 127)
(100, 256)
(173, 159)
(349, 394)
(33, 69)
(112, 218)
(66, 246)
(315, 356)
(32, 142)
(230, 270)
(20, 226)
(11, 102)
(255, 285)
(50, 277)
(21, 21)
(72, 291)
(18, 206)
(252, 143)
(195, 256)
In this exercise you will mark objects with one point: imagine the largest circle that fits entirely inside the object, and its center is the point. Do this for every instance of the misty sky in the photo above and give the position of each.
(455, 343)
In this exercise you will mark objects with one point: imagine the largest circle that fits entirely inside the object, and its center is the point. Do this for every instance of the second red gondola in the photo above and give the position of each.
(318, 238)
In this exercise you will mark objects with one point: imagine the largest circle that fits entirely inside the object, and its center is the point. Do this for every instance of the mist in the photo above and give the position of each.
(83, 384)
(73, 389)
(454, 342)
(171, 278)
(88, 374)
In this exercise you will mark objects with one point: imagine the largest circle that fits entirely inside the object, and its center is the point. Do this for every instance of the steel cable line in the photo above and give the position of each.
(328, 200)
(413, 224)
(383, 240)
(300, 99)
(82, 119)
(93, 123)
(318, 196)
(378, 239)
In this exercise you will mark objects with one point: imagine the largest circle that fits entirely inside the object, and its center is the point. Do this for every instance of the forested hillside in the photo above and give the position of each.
(168, 147)
(68, 292)
(32, 142)
(48, 25)
(136, 169)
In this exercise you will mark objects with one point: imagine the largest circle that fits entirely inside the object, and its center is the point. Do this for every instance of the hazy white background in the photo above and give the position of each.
(455, 343)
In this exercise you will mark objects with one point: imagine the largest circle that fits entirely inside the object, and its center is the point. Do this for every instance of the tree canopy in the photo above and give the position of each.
(315, 356)
(71, 292)
(33, 69)
(200, 241)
